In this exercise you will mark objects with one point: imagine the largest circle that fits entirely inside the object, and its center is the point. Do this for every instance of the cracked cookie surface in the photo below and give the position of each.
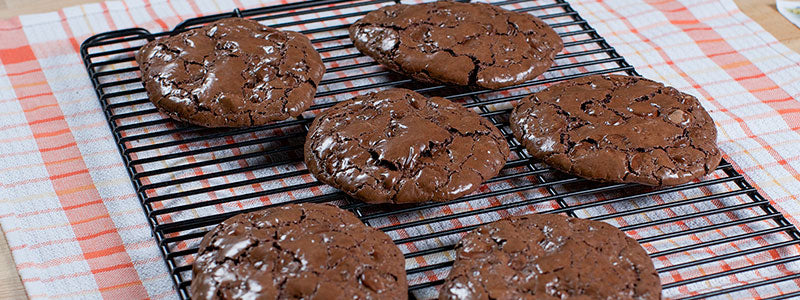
(231, 73)
(298, 251)
(468, 44)
(550, 257)
(397, 146)
(616, 128)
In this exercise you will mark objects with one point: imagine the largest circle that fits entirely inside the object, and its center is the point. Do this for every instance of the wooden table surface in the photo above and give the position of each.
(762, 11)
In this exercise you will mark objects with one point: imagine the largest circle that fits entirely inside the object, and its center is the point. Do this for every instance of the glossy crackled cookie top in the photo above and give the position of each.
(550, 257)
(457, 43)
(306, 251)
(397, 146)
(618, 129)
(231, 73)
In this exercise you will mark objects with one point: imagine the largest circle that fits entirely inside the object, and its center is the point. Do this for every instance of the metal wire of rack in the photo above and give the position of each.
(708, 238)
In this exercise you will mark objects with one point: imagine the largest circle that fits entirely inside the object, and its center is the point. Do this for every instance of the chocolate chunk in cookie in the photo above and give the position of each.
(305, 251)
(397, 146)
(231, 73)
(618, 129)
(468, 44)
(550, 257)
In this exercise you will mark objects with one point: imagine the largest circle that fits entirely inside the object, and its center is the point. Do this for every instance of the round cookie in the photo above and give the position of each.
(305, 251)
(468, 44)
(231, 73)
(616, 128)
(550, 257)
(397, 146)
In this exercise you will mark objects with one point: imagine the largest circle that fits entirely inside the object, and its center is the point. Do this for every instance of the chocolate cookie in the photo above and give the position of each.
(473, 44)
(550, 257)
(231, 73)
(618, 129)
(396, 146)
(305, 251)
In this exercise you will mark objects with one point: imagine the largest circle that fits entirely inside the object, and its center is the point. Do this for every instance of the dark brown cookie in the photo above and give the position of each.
(550, 257)
(397, 146)
(231, 73)
(473, 44)
(618, 129)
(305, 251)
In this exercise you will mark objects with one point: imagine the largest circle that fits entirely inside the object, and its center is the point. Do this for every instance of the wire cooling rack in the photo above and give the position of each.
(713, 237)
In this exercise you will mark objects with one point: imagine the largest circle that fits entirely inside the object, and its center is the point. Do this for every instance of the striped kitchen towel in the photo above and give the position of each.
(76, 228)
